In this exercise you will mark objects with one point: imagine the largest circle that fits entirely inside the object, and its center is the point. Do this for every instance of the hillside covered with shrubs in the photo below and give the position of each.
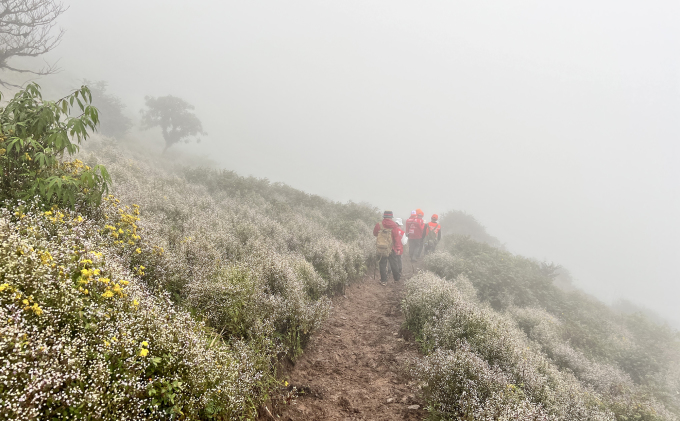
(137, 291)
(501, 341)
(140, 288)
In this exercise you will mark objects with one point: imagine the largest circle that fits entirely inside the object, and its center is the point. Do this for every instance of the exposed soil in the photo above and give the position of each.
(354, 367)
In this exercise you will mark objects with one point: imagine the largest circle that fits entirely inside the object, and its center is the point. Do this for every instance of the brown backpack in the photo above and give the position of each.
(383, 245)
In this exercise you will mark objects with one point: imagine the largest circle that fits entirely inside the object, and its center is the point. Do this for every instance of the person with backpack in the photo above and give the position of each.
(404, 239)
(415, 227)
(432, 234)
(388, 246)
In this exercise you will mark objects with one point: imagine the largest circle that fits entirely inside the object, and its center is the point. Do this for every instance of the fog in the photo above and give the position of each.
(555, 125)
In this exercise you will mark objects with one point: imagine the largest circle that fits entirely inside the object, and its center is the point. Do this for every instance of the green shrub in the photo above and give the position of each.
(34, 136)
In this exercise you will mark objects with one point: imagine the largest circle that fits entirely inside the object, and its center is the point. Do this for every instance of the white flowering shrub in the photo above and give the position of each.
(280, 241)
(614, 344)
(481, 364)
(462, 385)
(82, 337)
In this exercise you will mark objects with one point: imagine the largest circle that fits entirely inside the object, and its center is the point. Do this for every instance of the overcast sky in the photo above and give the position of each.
(555, 123)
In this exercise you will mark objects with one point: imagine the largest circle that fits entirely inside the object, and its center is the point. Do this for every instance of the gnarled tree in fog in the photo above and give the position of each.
(174, 117)
(26, 31)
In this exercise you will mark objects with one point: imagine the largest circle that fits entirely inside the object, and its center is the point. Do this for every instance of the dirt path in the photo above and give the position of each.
(353, 368)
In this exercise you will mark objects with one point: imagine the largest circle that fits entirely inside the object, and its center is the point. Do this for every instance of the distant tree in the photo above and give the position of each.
(26, 31)
(112, 121)
(172, 115)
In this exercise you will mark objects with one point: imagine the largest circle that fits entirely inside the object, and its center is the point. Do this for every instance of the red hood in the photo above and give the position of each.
(388, 223)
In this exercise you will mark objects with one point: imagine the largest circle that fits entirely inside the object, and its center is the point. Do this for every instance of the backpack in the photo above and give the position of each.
(383, 245)
(431, 238)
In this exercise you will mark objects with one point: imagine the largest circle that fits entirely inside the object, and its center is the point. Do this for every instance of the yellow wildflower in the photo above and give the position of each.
(138, 250)
(107, 294)
(48, 213)
(143, 352)
(135, 303)
(36, 309)
(4, 287)
(145, 344)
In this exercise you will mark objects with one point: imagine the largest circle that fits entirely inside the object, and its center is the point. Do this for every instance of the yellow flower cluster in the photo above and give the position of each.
(28, 302)
(45, 257)
(55, 215)
(90, 274)
(74, 167)
(125, 231)
(143, 349)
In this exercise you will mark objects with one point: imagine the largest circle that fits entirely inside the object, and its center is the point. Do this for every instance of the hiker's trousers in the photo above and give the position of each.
(415, 247)
(393, 260)
(428, 250)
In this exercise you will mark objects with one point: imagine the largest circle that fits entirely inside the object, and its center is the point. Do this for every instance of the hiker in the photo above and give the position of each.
(388, 246)
(432, 234)
(409, 221)
(404, 240)
(415, 227)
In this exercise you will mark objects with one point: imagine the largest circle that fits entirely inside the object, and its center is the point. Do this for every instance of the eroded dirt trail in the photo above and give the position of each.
(353, 367)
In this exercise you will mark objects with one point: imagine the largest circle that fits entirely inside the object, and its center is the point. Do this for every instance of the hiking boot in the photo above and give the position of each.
(383, 283)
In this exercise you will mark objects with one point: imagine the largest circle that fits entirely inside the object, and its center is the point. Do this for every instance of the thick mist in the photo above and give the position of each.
(556, 125)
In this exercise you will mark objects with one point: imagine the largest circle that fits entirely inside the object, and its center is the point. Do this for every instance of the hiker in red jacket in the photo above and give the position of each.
(399, 251)
(432, 234)
(415, 227)
(409, 221)
(393, 242)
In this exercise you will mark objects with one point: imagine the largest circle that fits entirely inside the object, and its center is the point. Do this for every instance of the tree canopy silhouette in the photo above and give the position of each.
(173, 116)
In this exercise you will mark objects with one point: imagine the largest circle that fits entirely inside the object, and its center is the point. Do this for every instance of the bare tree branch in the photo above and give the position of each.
(26, 30)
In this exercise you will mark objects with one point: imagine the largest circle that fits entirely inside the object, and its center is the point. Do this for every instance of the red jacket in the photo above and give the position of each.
(397, 233)
(415, 227)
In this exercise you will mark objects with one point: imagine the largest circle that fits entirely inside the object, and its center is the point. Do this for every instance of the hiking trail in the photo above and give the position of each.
(354, 366)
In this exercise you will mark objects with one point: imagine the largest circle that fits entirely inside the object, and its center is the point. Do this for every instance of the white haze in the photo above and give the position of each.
(554, 123)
